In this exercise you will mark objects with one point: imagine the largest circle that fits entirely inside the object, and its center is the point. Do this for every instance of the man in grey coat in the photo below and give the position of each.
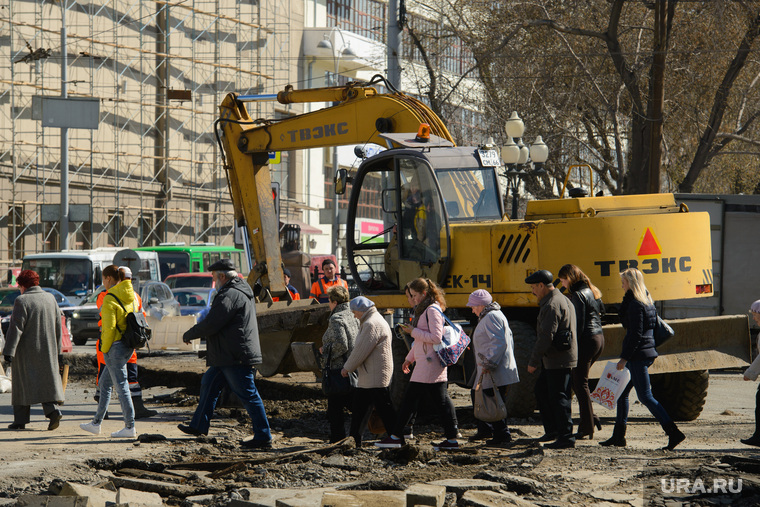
(33, 347)
(232, 345)
(556, 349)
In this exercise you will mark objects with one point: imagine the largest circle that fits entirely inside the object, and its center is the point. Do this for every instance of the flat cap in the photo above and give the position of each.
(360, 304)
(541, 276)
(222, 265)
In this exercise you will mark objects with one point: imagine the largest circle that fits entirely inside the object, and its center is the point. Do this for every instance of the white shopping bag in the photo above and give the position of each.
(611, 385)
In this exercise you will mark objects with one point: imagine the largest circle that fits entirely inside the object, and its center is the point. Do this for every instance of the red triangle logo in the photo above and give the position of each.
(649, 244)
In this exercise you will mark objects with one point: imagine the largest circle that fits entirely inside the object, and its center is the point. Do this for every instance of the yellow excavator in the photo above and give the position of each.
(426, 207)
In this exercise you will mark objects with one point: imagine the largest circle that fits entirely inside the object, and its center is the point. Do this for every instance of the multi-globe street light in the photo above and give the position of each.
(521, 160)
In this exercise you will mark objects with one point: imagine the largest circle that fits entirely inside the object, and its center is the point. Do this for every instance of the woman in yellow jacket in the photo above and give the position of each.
(116, 354)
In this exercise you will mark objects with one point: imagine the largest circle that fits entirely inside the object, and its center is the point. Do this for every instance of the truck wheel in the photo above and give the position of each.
(682, 394)
(521, 401)
(79, 341)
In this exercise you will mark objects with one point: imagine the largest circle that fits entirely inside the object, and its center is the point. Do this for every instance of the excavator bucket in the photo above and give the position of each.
(281, 324)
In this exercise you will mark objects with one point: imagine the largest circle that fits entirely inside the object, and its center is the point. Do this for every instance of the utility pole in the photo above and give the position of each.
(394, 43)
(64, 218)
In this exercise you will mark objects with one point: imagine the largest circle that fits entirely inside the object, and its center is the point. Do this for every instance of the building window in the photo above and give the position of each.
(202, 222)
(51, 240)
(364, 17)
(113, 228)
(83, 235)
(148, 235)
(16, 232)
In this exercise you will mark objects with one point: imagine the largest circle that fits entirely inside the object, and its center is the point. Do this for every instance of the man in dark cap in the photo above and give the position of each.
(556, 350)
(232, 343)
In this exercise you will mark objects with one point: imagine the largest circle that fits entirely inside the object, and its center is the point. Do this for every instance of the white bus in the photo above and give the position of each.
(77, 273)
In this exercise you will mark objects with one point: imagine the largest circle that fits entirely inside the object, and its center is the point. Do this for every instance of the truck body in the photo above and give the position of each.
(439, 213)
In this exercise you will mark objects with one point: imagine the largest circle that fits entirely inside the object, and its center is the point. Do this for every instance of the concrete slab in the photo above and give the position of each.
(492, 499)
(53, 501)
(461, 486)
(133, 496)
(364, 499)
(425, 494)
(98, 496)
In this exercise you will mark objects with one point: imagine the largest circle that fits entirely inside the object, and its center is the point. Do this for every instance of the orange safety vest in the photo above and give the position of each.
(320, 287)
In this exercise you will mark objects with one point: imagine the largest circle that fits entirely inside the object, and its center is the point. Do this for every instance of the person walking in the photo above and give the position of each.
(135, 390)
(494, 359)
(752, 373)
(429, 378)
(372, 360)
(337, 344)
(119, 300)
(639, 318)
(556, 349)
(587, 300)
(329, 279)
(233, 349)
(33, 348)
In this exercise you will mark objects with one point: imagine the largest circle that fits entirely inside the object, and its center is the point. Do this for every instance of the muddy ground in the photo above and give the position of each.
(37, 461)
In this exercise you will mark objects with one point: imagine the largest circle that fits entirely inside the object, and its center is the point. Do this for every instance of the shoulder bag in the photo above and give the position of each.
(488, 408)
(333, 383)
(453, 343)
(662, 332)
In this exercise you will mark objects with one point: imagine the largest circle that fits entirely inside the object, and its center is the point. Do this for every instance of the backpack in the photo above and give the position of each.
(137, 332)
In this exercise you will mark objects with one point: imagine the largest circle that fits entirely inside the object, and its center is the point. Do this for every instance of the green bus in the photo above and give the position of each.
(176, 258)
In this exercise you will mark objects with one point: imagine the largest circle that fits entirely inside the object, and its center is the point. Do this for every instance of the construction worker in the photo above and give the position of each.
(135, 391)
(329, 279)
(293, 291)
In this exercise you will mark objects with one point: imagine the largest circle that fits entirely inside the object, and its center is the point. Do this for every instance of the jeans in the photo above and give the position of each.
(115, 375)
(553, 397)
(438, 394)
(240, 380)
(640, 380)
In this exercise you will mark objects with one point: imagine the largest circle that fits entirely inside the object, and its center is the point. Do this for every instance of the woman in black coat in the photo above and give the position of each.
(587, 300)
(639, 318)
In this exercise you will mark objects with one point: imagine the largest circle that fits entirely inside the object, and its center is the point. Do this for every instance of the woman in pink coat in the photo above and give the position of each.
(429, 378)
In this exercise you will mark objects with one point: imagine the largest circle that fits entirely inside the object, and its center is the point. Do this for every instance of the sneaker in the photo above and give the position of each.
(91, 427)
(446, 446)
(389, 443)
(125, 433)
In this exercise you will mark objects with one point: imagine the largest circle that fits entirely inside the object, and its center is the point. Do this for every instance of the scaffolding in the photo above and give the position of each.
(151, 171)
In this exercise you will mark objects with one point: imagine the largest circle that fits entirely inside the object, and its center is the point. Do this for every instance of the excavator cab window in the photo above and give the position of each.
(470, 193)
(400, 222)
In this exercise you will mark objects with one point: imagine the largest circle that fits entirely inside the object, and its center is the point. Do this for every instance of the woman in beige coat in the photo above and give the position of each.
(373, 362)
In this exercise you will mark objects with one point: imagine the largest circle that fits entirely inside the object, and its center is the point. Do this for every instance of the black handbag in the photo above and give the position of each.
(662, 332)
(333, 383)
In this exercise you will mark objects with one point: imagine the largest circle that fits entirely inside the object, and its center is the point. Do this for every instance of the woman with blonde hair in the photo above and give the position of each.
(429, 376)
(639, 318)
(587, 300)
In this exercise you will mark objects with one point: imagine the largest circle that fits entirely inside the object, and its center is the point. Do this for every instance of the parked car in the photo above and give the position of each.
(194, 301)
(8, 297)
(158, 301)
(190, 280)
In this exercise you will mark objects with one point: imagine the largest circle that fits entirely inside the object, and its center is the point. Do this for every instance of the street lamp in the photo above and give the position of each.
(517, 157)
(337, 54)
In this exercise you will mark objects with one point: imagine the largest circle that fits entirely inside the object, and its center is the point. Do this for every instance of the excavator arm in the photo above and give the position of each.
(359, 117)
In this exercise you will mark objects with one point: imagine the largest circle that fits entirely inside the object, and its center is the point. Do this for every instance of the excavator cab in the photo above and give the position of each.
(402, 204)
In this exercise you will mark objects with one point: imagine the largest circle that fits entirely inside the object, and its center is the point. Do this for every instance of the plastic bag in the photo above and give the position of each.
(611, 385)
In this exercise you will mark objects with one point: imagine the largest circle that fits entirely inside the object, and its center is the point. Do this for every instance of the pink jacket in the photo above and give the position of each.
(429, 331)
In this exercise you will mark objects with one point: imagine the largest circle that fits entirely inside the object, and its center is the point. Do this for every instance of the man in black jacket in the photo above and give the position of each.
(232, 346)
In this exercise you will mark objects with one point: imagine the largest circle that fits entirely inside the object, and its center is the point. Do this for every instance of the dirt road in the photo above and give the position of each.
(34, 458)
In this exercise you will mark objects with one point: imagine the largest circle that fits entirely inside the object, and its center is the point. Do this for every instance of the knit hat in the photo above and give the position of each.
(127, 272)
(480, 297)
(755, 306)
(286, 272)
(360, 304)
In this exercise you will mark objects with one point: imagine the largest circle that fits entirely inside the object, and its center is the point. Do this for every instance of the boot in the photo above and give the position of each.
(675, 436)
(141, 411)
(617, 439)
